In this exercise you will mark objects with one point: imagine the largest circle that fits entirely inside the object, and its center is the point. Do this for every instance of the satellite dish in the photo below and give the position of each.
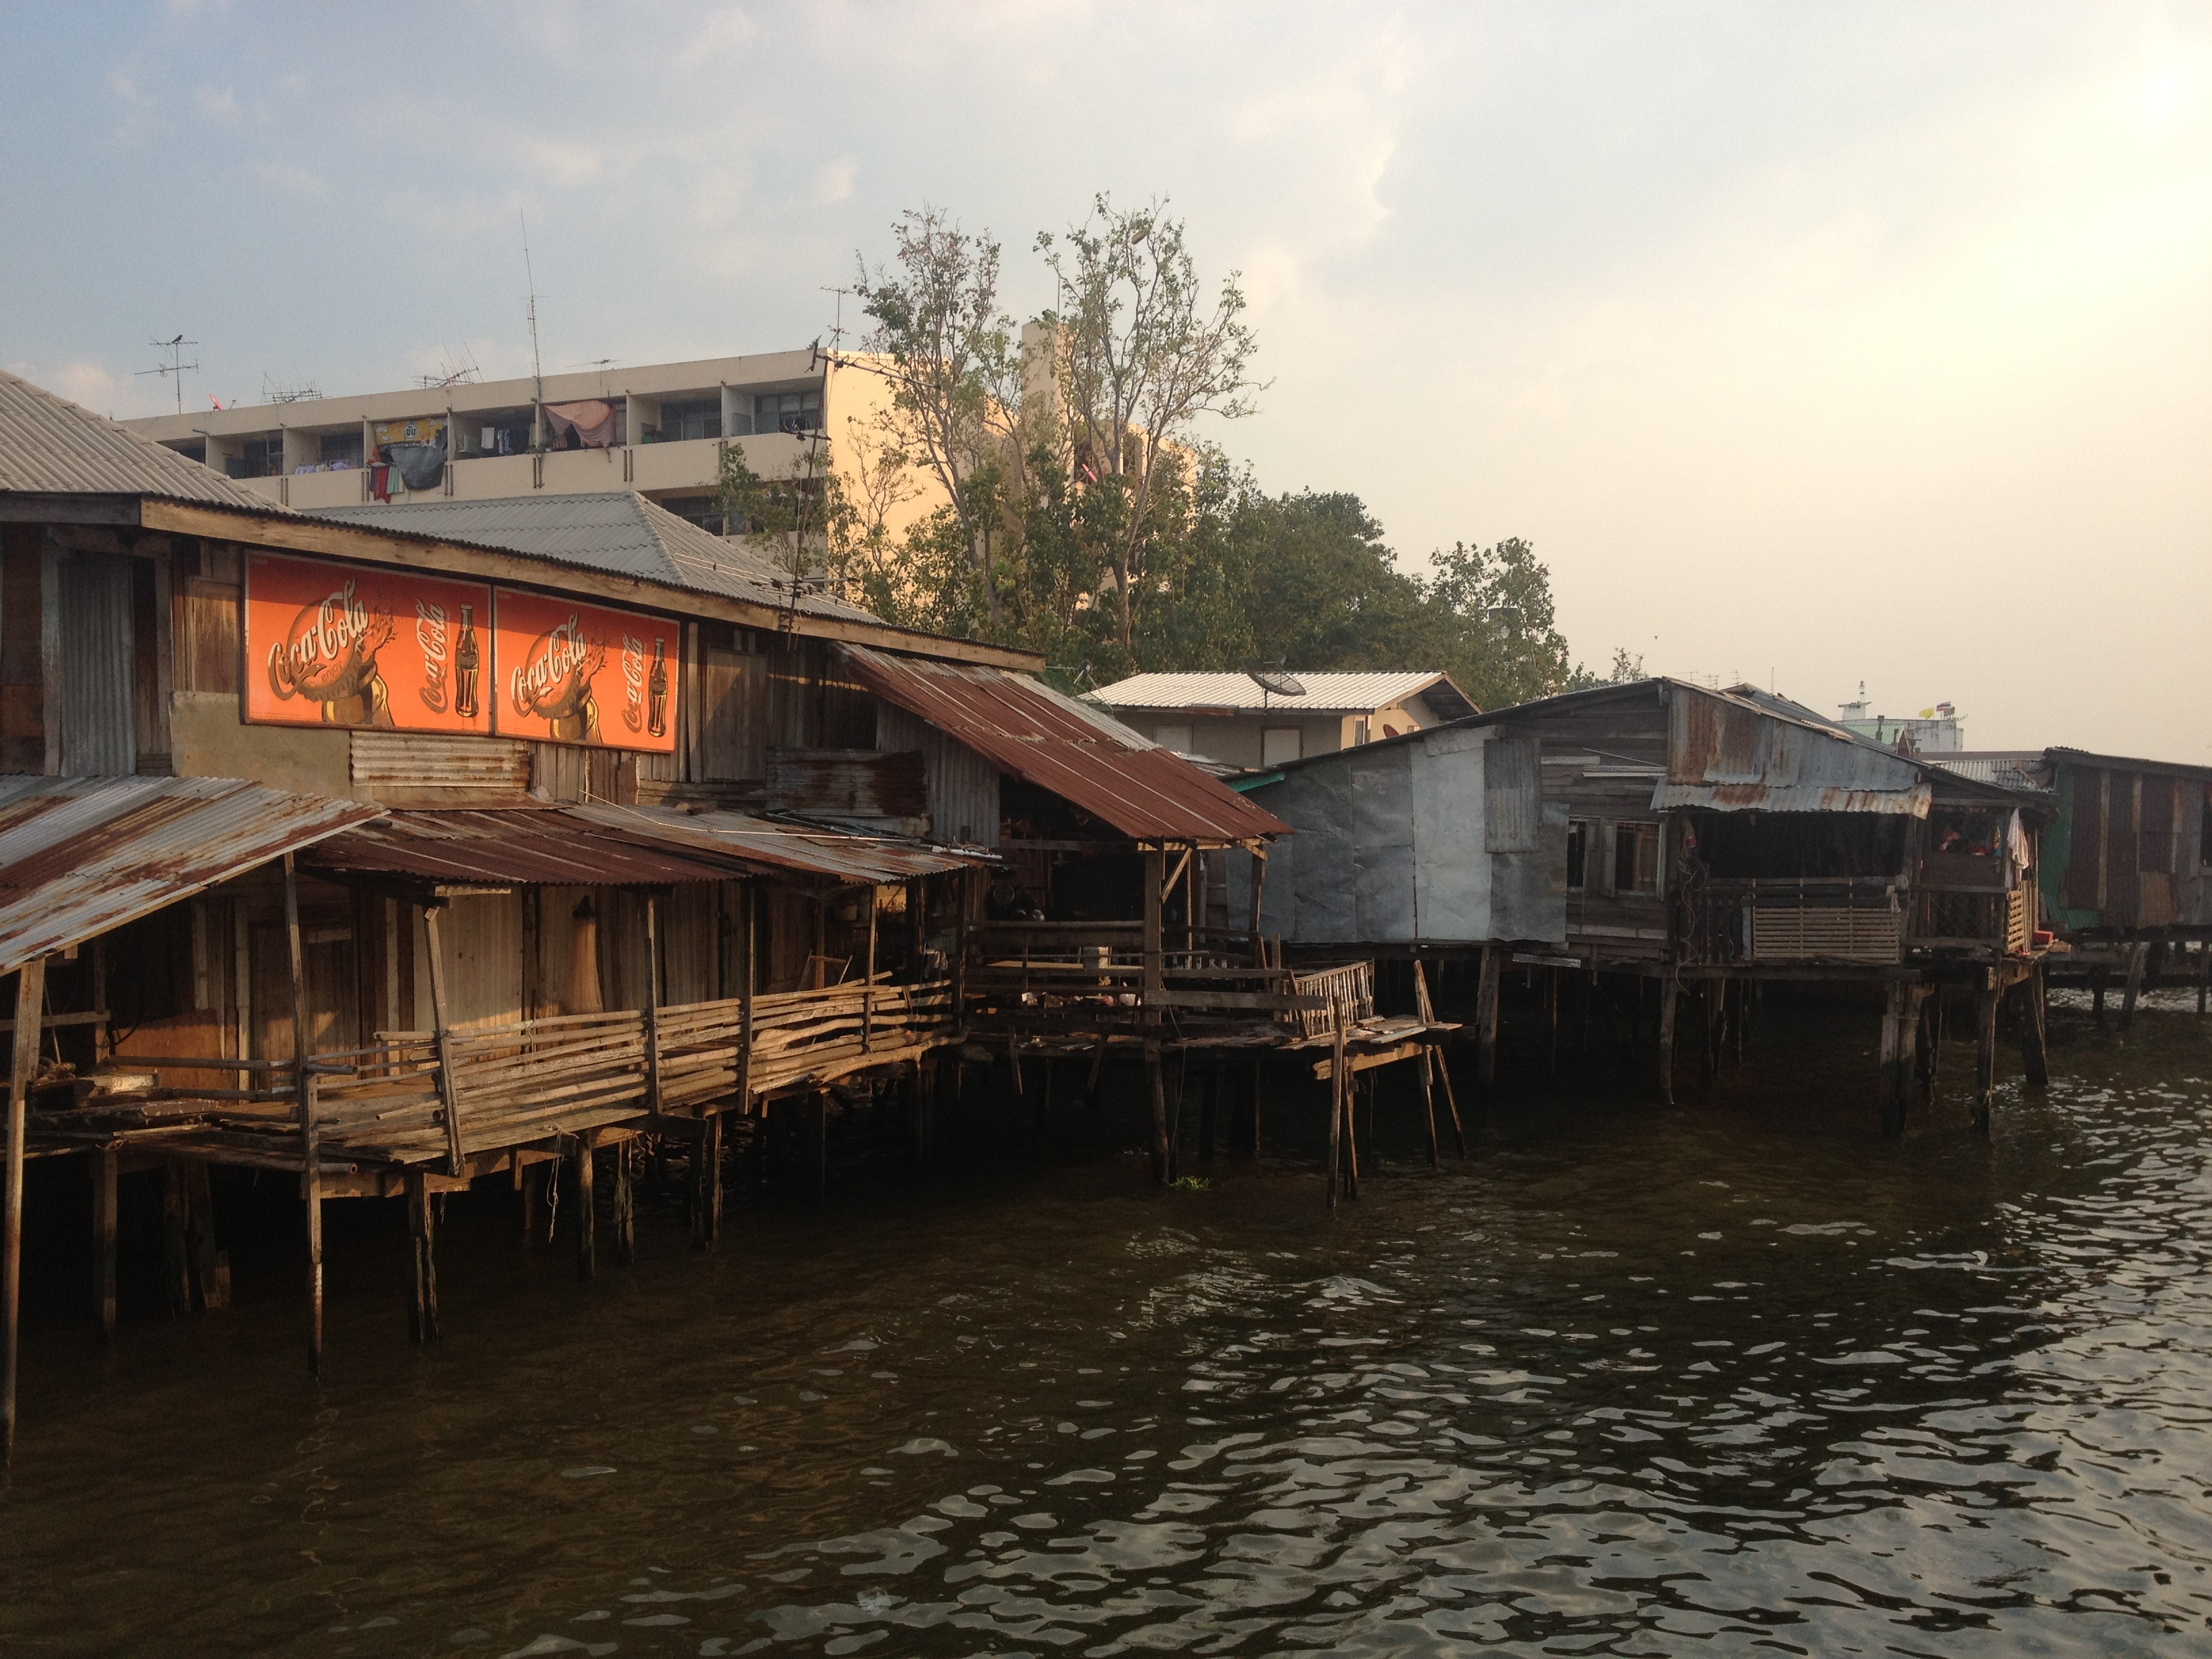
(1277, 682)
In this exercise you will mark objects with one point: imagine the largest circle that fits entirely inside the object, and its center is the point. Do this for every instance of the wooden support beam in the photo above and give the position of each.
(582, 1161)
(210, 1267)
(1258, 1079)
(1670, 993)
(1209, 1109)
(2138, 954)
(422, 1241)
(442, 1033)
(1486, 1017)
(747, 980)
(176, 1241)
(707, 1182)
(1154, 983)
(624, 1244)
(1985, 1054)
(30, 1003)
(1429, 1106)
(1337, 1076)
(821, 1146)
(1259, 888)
(868, 977)
(1895, 1058)
(651, 1005)
(2034, 1051)
(106, 1165)
(311, 1178)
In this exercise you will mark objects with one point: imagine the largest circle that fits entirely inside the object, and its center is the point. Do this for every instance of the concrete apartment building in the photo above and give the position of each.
(655, 429)
(1236, 720)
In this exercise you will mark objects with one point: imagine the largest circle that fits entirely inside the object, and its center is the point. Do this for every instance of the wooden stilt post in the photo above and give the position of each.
(176, 1240)
(587, 1219)
(1209, 1110)
(821, 1146)
(1350, 1131)
(707, 1181)
(30, 1015)
(1428, 1106)
(2028, 1002)
(422, 1238)
(1335, 1111)
(447, 1093)
(1895, 1058)
(2204, 974)
(210, 1267)
(625, 1211)
(1258, 1076)
(868, 977)
(2138, 953)
(1434, 1067)
(653, 1004)
(1925, 1042)
(106, 1164)
(1552, 1010)
(1985, 1051)
(1486, 1017)
(2097, 976)
(1710, 993)
(1670, 993)
(311, 1177)
(528, 1188)
(747, 980)
(1258, 886)
(1155, 984)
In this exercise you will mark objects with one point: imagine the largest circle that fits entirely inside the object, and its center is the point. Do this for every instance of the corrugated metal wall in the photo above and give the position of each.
(963, 786)
(94, 664)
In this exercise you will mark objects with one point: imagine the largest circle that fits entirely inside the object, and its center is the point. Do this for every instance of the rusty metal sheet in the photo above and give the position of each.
(415, 760)
(1087, 758)
(509, 846)
(80, 857)
(864, 783)
(1789, 798)
(771, 845)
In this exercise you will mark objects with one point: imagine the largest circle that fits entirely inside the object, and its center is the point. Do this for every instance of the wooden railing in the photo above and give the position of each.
(1841, 919)
(1995, 922)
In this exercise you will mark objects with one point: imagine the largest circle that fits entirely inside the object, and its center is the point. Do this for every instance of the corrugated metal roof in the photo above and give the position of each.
(617, 531)
(507, 846)
(1325, 694)
(82, 856)
(50, 445)
(1731, 753)
(808, 849)
(582, 846)
(2024, 769)
(1791, 797)
(1088, 759)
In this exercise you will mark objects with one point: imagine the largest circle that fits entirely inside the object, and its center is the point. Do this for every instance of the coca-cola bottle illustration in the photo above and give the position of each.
(465, 658)
(656, 686)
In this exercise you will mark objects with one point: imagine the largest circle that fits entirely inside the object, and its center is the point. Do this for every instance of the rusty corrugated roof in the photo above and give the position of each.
(80, 857)
(506, 846)
(807, 849)
(50, 445)
(583, 845)
(1087, 758)
(1731, 752)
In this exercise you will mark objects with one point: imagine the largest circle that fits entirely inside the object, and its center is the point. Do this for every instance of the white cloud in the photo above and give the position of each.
(833, 181)
(294, 180)
(219, 105)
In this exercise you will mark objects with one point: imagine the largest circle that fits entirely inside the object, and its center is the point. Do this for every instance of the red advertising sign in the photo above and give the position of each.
(354, 645)
(582, 673)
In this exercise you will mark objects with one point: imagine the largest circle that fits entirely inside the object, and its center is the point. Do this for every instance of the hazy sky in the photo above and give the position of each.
(1808, 343)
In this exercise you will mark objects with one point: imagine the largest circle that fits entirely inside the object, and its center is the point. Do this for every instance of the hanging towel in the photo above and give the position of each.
(379, 481)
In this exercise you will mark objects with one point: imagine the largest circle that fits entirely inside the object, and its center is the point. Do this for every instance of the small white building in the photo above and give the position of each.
(1251, 721)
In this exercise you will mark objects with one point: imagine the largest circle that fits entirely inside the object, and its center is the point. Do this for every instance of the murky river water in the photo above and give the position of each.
(1737, 1377)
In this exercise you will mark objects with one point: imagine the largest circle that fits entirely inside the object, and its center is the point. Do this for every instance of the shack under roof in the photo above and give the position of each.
(80, 857)
(1087, 758)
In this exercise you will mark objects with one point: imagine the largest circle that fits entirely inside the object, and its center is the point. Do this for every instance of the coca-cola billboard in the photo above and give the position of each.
(584, 673)
(358, 645)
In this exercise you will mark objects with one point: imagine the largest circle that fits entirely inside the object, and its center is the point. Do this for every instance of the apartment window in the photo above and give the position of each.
(787, 411)
(1578, 853)
(696, 418)
(259, 458)
(1176, 737)
(1280, 744)
(341, 449)
(1636, 858)
(705, 511)
(1358, 732)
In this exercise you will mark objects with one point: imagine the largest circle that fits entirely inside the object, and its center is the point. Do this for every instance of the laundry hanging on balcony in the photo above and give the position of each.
(593, 424)
(420, 467)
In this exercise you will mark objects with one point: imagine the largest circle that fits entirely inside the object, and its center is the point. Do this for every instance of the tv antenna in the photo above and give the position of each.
(274, 391)
(455, 368)
(176, 367)
(837, 328)
(530, 274)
